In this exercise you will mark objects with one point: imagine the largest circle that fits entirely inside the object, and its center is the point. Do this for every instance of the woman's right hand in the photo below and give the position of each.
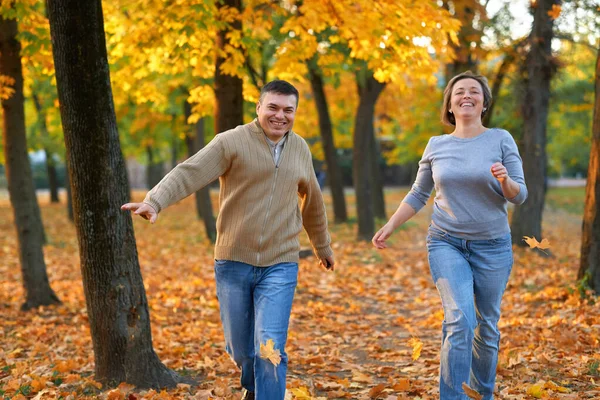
(381, 236)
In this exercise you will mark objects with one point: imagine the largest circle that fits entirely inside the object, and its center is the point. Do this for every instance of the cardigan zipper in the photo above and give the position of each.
(260, 238)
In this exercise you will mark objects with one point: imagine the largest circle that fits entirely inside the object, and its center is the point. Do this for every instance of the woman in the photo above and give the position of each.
(475, 171)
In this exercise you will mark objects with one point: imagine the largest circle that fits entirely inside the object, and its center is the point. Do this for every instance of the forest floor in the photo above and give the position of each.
(371, 329)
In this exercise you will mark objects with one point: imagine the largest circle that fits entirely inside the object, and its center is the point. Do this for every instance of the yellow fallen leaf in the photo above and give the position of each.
(537, 390)
(417, 346)
(301, 393)
(472, 393)
(268, 352)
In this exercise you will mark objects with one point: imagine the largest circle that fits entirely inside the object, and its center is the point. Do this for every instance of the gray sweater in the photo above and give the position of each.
(468, 203)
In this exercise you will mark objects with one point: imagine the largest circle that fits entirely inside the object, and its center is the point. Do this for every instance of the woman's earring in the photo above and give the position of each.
(450, 111)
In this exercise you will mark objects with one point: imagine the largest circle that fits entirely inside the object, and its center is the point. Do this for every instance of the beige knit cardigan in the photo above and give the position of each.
(259, 213)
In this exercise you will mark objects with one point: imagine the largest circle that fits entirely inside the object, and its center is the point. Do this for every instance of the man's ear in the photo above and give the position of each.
(257, 106)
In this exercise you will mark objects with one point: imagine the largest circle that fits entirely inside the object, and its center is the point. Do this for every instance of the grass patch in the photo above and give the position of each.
(570, 199)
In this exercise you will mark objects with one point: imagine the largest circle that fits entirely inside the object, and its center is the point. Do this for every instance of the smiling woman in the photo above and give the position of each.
(475, 171)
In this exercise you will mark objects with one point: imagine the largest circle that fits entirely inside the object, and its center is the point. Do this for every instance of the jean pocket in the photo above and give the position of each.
(220, 263)
(505, 240)
(434, 231)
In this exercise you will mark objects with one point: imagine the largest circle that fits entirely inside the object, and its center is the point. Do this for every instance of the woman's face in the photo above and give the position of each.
(466, 101)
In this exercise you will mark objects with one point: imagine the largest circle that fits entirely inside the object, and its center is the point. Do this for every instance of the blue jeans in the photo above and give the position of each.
(255, 305)
(471, 276)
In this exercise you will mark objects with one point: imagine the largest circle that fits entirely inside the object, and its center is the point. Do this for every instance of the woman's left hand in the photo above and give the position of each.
(499, 171)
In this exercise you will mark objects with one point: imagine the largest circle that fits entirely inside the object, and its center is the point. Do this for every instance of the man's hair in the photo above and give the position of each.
(279, 87)
(447, 116)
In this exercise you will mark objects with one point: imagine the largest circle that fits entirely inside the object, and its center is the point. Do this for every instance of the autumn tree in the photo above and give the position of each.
(326, 130)
(115, 295)
(390, 43)
(527, 218)
(228, 85)
(589, 267)
(28, 222)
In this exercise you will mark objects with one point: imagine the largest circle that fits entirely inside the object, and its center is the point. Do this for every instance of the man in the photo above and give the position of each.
(263, 167)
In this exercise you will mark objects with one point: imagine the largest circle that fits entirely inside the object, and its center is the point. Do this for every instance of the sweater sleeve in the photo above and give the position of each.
(514, 166)
(314, 217)
(421, 189)
(190, 176)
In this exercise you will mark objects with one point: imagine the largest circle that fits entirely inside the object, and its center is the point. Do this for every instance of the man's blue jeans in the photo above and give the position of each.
(471, 276)
(255, 305)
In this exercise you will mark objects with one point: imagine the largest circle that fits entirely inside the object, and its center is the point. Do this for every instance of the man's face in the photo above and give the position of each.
(276, 113)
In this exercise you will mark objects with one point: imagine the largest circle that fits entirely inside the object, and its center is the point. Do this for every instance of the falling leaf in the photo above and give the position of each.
(417, 346)
(533, 243)
(472, 393)
(268, 352)
(555, 12)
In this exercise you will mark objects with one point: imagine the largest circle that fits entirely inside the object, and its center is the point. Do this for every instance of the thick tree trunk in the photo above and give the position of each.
(69, 193)
(115, 295)
(229, 107)
(195, 143)
(369, 90)
(334, 171)
(527, 218)
(50, 164)
(28, 221)
(589, 267)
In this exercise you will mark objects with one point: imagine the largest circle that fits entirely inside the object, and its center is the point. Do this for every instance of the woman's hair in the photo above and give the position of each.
(447, 116)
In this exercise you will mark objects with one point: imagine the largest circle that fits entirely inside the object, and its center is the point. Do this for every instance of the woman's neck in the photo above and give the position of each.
(468, 129)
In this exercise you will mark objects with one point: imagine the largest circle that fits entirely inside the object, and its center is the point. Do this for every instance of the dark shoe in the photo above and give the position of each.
(248, 395)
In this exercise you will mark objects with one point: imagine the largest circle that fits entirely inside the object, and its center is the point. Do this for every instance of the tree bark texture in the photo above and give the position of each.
(195, 143)
(334, 172)
(589, 267)
(369, 91)
(527, 218)
(229, 107)
(28, 221)
(115, 296)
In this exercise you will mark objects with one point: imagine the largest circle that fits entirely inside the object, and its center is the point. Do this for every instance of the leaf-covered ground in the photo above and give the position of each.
(371, 329)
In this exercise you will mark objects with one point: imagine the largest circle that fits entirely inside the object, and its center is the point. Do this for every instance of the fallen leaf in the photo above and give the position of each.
(376, 391)
(268, 352)
(472, 393)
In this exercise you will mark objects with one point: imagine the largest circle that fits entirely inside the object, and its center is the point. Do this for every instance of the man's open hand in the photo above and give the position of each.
(144, 210)
(328, 263)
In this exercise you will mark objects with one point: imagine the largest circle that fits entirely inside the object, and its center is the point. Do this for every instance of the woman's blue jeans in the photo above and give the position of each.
(255, 305)
(471, 276)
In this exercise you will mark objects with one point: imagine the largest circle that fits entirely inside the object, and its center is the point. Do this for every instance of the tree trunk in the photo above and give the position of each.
(589, 267)
(115, 295)
(376, 178)
(496, 86)
(229, 107)
(527, 218)
(154, 170)
(69, 192)
(334, 171)
(204, 210)
(369, 90)
(28, 221)
(50, 164)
